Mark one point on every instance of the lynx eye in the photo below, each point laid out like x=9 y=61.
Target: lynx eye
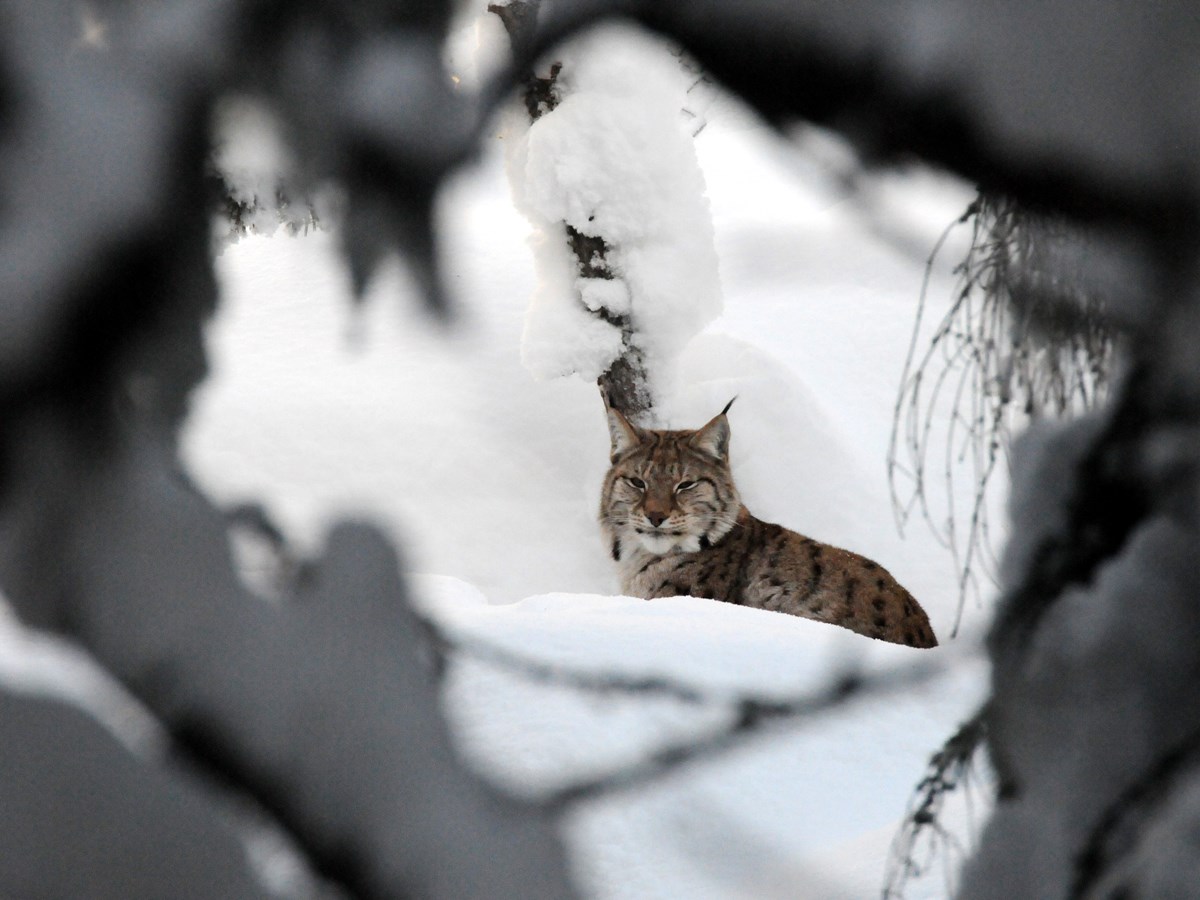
x=684 y=486
x=637 y=483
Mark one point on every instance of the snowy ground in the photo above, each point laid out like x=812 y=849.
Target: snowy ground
x=490 y=479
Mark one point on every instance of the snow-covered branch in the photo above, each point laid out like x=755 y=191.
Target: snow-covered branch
x=608 y=160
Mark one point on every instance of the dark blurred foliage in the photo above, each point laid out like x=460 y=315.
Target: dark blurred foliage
x=322 y=708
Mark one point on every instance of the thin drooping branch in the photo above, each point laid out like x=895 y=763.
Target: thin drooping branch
x=923 y=836
x=1025 y=338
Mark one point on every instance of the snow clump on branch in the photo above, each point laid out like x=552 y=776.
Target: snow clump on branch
x=614 y=160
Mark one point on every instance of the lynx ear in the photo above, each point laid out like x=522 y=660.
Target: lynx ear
x=713 y=438
x=624 y=436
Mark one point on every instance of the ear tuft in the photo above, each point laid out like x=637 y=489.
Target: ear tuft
x=713 y=438
x=623 y=435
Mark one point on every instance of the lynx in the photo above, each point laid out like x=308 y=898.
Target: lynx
x=676 y=525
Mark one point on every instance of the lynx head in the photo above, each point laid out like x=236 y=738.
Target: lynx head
x=668 y=490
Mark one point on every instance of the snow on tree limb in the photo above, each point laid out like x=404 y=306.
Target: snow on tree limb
x=611 y=162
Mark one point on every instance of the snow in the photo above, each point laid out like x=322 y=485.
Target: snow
x=798 y=792
x=489 y=480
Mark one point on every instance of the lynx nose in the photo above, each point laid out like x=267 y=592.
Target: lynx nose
x=656 y=518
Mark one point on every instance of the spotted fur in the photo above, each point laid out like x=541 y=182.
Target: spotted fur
x=676 y=525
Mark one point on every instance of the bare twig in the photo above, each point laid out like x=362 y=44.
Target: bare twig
x=606 y=682
x=749 y=714
x=1021 y=340
x=923 y=834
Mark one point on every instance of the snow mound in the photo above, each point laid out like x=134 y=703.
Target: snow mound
x=793 y=795
x=717 y=647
